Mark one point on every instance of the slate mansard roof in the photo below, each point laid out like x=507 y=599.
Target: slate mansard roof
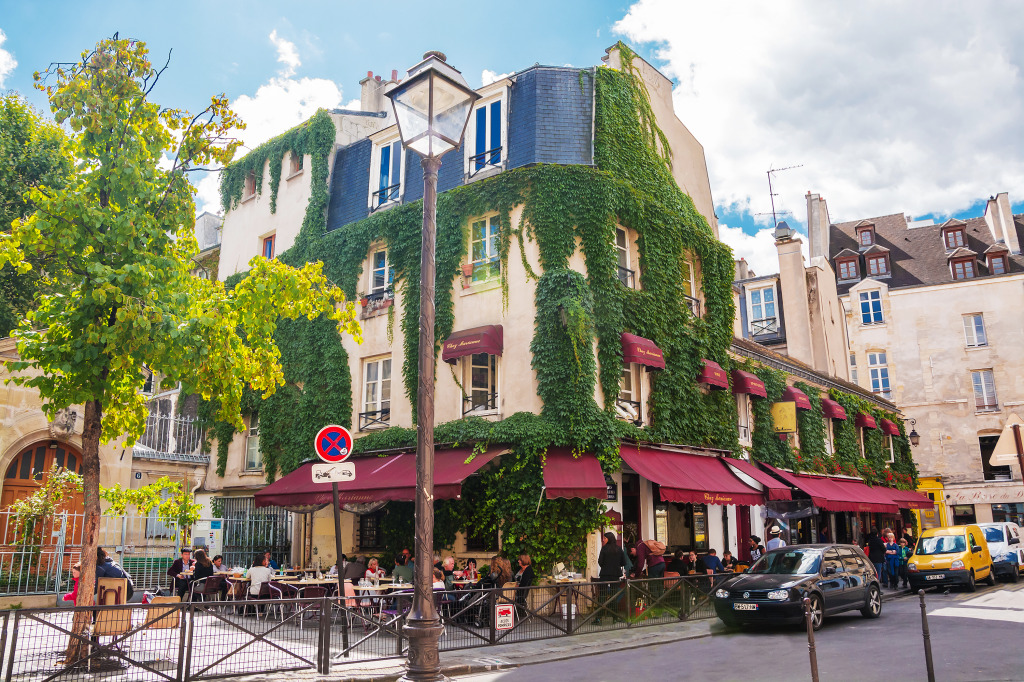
x=918 y=256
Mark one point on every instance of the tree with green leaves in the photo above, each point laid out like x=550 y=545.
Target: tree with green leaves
x=33 y=153
x=171 y=500
x=120 y=237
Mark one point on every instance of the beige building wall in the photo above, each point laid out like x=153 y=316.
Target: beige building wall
x=930 y=369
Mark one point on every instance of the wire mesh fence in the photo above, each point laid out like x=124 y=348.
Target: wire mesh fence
x=174 y=641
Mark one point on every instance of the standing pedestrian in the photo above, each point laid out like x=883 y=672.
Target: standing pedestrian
x=775 y=542
x=756 y=548
x=876 y=554
x=892 y=560
x=646 y=558
x=905 y=552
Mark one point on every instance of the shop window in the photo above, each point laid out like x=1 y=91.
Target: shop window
x=1008 y=513
x=963 y=514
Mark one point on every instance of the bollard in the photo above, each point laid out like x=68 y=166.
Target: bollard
x=927 y=639
x=810 y=640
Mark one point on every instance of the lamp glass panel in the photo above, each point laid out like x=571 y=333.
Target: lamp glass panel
x=411 y=108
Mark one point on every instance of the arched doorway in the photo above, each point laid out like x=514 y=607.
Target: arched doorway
x=26 y=470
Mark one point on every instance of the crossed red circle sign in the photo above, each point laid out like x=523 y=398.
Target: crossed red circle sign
x=333 y=444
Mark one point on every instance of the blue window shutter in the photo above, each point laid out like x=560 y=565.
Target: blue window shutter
x=396 y=167
x=496 y=131
x=481 y=136
x=385 y=169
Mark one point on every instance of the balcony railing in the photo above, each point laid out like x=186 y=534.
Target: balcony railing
x=629 y=410
x=627 y=277
x=378 y=301
x=378 y=419
x=744 y=433
x=384 y=195
x=693 y=304
x=765 y=325
x=484 y=160
x=479 y=402
x=173 y=439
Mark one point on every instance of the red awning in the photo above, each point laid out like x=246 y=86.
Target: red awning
x=377 y=478
x=865 y=421
x=775 y=489
x=910 y=499
x=686 y=477
x=745 y=382
x=641 y=351
x=488 y=339
x=837 y=495
x=794 y=394
x=713 y=375
x=890 y=428
x=568 y=476
x=830 y=409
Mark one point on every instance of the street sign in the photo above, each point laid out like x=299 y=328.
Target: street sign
x=333 y=444
x=334 y=473
x=504 y=617
x=1006 y=447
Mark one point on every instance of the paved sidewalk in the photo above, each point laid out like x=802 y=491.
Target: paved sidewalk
x=505 y=656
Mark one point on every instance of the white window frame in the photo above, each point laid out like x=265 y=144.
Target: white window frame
x=853 y=367
x=975 y=334
x=493 y=370
x=392 y=141
x=689 y=277
x=743 y=418
x=892 y=450
x=379 y=403
x=984 y=379
x=489 y=94
x=878 y=373
x=253 y=457
x=762 y=304
x=389 y=272
x=634 y=394
x=482 y=267
x=622 y=258
x=867 y=298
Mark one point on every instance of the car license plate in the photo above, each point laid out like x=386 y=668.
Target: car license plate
x=937 y=576
x=744 y=607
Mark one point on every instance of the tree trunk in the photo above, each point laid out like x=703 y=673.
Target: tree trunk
x=77 y=649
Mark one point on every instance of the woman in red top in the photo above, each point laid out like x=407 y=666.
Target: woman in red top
x=76 y=573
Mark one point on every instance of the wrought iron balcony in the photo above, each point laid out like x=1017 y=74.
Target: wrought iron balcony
x=378 y=419
x=479 y=402
x=629 y=410
x=173 y=439
x=627 y=277
x=384 y=195
x=764 y=325
x=377 y=301
x=693 y=304
x=485 y=160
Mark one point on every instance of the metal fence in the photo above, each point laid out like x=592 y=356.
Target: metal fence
x=178 y=642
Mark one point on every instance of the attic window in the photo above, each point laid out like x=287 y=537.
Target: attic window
x=997 y=264
x=954 y=239
x=878 y=265
x=847 y=268
x=963 y=268
x=866 y=235
x=250 y=184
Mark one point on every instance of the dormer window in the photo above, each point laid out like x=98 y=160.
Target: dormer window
x=878 y=265
x=866 y=236
x=848 y=265
x=963 y=268
x=996 y=257
x=486 y=142
x=954 y=239
x=386 y=172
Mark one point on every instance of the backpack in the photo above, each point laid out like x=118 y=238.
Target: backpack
x=654 y=547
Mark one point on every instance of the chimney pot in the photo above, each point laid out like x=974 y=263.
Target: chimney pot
x=377 y=78
x=369 y=74
x=394 y=75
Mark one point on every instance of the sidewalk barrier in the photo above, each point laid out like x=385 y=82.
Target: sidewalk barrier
x=927 y=639
x=811 y=650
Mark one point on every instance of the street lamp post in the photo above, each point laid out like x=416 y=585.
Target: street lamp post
x=432 y=106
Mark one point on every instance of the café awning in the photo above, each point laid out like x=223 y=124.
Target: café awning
x=488 y=339
x=745 y=382
x=641 y=351
x=865 y=421
x=775 y=489
x=687 y=477
x=830 y=409
x=794 y=394
x=837 y=495
x=890 y=428
x=910 y=499
x=712 y=374
x=377 y=479
x=568 y=476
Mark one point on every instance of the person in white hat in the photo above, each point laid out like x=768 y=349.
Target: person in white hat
x=775 y=542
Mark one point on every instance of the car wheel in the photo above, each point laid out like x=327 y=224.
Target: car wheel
x=991 y=579
x=817 y=612
x=1015 y=574
x=873 y=609
x=971 y=586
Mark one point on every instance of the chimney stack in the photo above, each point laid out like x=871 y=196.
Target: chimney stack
x=999 y=218
x=817 y=226
x=371 y=97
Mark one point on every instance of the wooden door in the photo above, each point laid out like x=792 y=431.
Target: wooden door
x=743 y=532
x=25 y=473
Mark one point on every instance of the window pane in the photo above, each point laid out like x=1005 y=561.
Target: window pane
x=769 y=295
x=688 y=278
x=396 y=167
x=755 y=297
x=979 y=330
x=385 y=169
x=385 y=369
x=481 y=136
x=495 y=158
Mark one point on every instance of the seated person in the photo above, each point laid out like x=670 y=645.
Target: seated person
x=469 y=572
x=712 y=564
x=678 y=564
x=403 y=571
x=355 y=570
x=525 y=576
x=204 y=567
x=176 y=571
x=448 y=570
x=373 y=570
x=218 y=565
x=728 y=562
x=438 y=579
x=271 y=564
x=258 y=575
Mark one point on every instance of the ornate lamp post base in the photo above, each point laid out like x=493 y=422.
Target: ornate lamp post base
x=424 y=663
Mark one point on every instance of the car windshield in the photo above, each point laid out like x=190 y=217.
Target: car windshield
x=790 y=562
x=942 y=544
x=994 y=535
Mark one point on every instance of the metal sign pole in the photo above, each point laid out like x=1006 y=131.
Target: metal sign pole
x=337 y=538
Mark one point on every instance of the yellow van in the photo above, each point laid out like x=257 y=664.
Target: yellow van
x=957 y=555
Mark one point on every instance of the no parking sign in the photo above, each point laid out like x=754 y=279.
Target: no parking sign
x=333 y=444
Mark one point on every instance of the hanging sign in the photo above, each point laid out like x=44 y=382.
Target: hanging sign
x=784 y=417
x=333 y=444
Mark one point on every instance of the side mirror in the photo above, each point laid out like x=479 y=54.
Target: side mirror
x=830 y=570
x=976 y=549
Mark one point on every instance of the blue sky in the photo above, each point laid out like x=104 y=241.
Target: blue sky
x=881 y=114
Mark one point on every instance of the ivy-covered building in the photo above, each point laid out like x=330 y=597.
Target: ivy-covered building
x=587 y=368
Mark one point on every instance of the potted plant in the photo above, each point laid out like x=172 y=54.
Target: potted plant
x=467 y=269
x=364 y=300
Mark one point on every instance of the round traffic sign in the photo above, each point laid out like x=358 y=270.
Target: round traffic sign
x=333 y=444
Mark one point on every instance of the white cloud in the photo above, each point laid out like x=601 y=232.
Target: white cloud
x=287 y=54
x=890 y=107
x=354 y=105
x=758 y=249
x=488 y=77
x=7 y=60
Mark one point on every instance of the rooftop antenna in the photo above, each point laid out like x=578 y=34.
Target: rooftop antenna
x=771 y=193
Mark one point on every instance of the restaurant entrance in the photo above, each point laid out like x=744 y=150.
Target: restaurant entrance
x=630 y=510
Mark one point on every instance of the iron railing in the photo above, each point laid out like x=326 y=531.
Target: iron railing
x=171 y=438
x=626 y=277
x=385 y=195
x=484 y=160
x=378 y=419
x=378 y=301
x=764 y=325
x=629 y=410
x=479 y=402
x=693 y=304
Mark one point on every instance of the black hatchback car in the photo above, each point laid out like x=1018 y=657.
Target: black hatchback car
x=836 y=578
